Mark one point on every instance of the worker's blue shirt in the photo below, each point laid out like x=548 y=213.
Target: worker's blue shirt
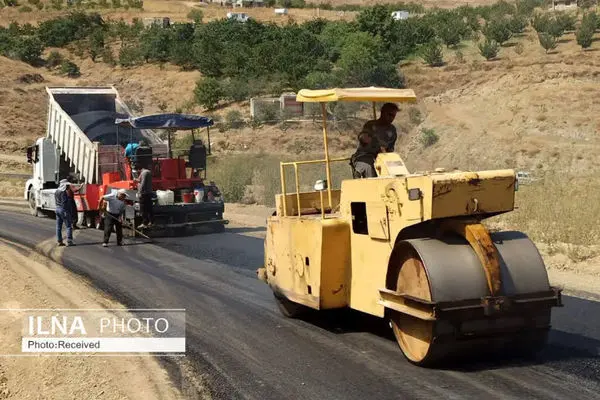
x=130 y=150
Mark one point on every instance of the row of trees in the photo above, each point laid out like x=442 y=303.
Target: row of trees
x=238 y=60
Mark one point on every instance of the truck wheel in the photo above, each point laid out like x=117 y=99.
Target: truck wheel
x=32 y=206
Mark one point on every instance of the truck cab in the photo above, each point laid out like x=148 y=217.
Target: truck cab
x=46 y=162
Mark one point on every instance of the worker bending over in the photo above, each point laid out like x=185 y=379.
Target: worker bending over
x=115 y=212
x=382 y=128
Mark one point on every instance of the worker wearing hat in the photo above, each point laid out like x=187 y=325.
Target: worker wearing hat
x=115 y=212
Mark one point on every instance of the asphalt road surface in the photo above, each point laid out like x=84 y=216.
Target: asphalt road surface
x=241 y=347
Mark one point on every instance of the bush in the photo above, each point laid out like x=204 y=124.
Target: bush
x=519 y=48
x=196 y=15
x=566 y=21
x=428 y=137
x=489 y=49
x=208 y=92
x=234 y=119
x=498 y=31
x=517 y=23
x=547 y=41
x=54 y=60
x=414 y=114
x=70 y=69
x=25 y=9
x=29 y=49
x=96 y=43
x=61 y=31
x=130 y=55
x=236 y=90
x=432 y=54
x=584 y=37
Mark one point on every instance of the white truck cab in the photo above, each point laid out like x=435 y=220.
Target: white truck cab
x=40 y=188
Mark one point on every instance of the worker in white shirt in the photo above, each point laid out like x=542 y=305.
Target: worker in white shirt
x=115 y=212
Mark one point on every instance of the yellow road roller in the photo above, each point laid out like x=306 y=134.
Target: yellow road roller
x=411 y=248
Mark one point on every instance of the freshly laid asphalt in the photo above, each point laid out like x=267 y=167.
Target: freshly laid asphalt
x=240 y=346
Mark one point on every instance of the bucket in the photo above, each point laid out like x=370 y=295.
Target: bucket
x=165 y=197
x=187 y=197
x=199 y=194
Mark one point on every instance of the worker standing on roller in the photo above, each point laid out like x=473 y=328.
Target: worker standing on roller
x=145 y=197
x=115 y=212
x=383 y=128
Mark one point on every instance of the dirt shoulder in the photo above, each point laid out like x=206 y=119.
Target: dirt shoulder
x=30 y=281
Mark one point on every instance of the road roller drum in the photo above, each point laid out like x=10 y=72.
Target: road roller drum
x=446 y=276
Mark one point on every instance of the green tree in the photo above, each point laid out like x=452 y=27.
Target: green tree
x=375 y=20
x=130 y=55
x=432 y=54
x=236 y=89
x=208 y=92
x=517 y=23
x=358 y=55
x=96 y=43
x=29 y=49
x=155 y=44
x=70 y=69
x=585 y=35
x=489 y=49
x=498 y=31
x=547 y=41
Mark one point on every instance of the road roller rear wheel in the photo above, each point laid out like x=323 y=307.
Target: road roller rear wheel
x=414 y=336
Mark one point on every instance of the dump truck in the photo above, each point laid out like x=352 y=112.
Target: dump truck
x=87 y=131
x=411 y=248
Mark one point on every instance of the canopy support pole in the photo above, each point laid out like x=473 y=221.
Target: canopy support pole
x=208 y=138
x=374 y=111
x=169 y=143
x=327 y=167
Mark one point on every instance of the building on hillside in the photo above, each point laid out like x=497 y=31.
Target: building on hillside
x=560 y=5
x=284 y=105
x=239 y=3
x=163 y=22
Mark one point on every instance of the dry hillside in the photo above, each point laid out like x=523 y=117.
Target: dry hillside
x=526 y=110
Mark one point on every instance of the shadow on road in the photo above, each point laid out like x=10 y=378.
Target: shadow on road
x=246 y=229
x=571 y=352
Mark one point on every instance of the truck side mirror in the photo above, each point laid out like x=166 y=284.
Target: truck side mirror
x=30 y=154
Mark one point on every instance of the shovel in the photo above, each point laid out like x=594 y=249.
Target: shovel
x=132 y=228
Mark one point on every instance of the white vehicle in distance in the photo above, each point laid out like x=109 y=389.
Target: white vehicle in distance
x=400 y=15
x=241 y=17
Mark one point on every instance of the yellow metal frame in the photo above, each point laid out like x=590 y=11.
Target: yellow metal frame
x=295 y=164
x=371 y=94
